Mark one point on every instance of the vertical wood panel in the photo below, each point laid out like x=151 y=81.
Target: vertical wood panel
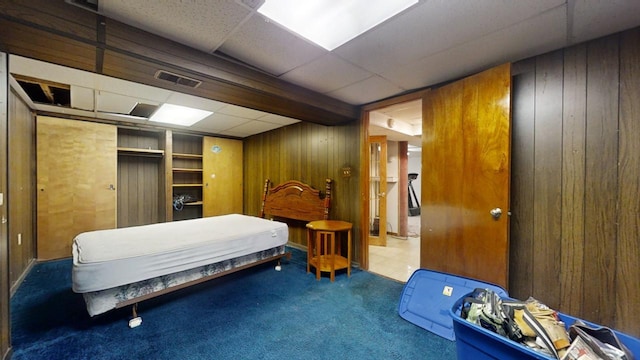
x=601 y=179
x=547 y=214
x=21 y=206
x=446 y=100
x=628 y=249
x=522 y=170
x=573 y=177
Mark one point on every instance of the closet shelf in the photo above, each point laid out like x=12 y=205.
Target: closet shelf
x=187 y=185
x=187 y=170
x=187 y=156
x=193 y=203
x=140 y=152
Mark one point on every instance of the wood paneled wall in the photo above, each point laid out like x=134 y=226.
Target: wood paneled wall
x=309 y=153
x=22 y=173
x=575 y=228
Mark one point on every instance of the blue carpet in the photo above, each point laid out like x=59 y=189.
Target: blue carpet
x=258 y=313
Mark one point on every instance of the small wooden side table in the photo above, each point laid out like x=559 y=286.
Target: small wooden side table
x=321 y=247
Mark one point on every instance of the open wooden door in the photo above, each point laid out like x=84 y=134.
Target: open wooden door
x=466 y=171
x=378 y=190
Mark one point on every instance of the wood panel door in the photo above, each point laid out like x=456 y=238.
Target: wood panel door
x=76 y=182
x=222 y=176
x=466 y=171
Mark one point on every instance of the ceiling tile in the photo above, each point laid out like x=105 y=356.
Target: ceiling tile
x=201 y=24
x=268 y=46
x=123 y=87
x=277 y=119
x=114 y=103
x=195 y=102
x=81 y=98
x=434 y=26
x=326 y=74
x=592 y=18
x=241 y=112
x=510 y=44
x=368 y=90
x=218 y=122
x=250 y=128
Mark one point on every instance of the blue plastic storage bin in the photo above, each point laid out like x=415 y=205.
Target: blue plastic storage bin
x=474 y=342
x=428 y=295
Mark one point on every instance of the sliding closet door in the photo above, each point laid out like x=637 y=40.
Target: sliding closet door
x=465 y=189
x=76 y=182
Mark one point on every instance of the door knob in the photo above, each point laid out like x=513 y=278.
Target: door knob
x=496 y=213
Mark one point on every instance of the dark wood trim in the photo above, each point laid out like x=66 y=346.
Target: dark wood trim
x=5 y=319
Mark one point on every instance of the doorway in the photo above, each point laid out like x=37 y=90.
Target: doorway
x=399 y=125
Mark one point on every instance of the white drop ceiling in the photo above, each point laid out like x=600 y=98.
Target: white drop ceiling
x=98 y=96
x=431 y=42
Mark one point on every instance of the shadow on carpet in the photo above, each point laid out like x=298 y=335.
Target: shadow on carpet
x=257 y=313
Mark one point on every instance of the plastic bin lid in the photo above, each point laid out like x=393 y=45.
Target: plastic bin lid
x=428 y=296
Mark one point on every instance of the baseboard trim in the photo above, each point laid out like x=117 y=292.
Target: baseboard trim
x=22 y=276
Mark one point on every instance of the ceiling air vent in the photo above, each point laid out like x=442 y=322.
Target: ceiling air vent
x=177 y=79
x=91 y=5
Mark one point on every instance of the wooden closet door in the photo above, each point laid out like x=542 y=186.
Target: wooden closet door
x=222 y=176
x=76 y=182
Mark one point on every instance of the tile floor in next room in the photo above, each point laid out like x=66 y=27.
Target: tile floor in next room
x=401 y=257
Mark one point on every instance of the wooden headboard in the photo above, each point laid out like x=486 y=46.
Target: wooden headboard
x=296 y=200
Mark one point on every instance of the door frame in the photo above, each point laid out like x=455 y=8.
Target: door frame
x=364 y=166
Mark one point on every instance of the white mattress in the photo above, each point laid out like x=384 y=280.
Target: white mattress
x=108 y=258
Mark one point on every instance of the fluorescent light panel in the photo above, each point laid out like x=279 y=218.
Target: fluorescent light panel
x=179 y=115
x=331 y=23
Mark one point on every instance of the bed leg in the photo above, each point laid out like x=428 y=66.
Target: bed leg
x=136 y=320
x=278 y=267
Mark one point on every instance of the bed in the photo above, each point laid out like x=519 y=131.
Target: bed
x=122 y=267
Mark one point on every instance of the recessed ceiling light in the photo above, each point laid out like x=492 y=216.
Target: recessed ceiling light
x=179 y=115
x=331 y=23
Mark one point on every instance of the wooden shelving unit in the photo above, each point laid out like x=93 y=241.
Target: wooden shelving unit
x=186 y=169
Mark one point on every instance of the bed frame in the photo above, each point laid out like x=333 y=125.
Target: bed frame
x=288 y=200
x=295 y=200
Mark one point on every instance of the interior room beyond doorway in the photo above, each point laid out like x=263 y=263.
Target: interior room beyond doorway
x=399 y=256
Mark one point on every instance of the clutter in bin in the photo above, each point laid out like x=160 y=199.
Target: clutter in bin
x=540 y=328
